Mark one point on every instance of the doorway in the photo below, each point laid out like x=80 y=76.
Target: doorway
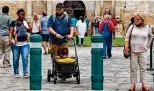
x=77 y=7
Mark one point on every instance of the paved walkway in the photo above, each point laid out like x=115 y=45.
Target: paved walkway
x=116 y=72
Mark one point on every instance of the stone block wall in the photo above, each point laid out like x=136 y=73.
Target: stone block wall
x=13 y=5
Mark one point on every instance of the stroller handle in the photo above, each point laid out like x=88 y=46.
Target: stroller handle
x=65 y=37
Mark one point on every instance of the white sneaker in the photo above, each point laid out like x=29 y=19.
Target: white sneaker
x=17 y=76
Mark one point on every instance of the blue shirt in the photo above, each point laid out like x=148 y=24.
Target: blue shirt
x=59 y=25
x=87 y=21
x=74 y=21
x=44 y=22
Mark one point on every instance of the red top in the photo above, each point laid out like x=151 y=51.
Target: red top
x=114 y=21
x=110 y=26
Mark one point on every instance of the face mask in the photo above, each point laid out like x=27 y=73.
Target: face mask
x=139 y=25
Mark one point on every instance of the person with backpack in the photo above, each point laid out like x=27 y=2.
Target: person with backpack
x=59 y=25
x=107 y=30
x=45 y=33
x=18 y=29
x=5 y=21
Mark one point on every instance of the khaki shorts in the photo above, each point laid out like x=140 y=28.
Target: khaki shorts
x=55 y=48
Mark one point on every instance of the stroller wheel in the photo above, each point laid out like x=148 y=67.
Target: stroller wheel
x=55 y=79
x=52 y=74
x=48 y=75
x=78 y=77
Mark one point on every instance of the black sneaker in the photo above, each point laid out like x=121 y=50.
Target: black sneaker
x=109 y=56
x=104 y=57
x=45 y=53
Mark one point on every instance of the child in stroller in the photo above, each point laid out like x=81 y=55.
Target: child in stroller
x=64 y=66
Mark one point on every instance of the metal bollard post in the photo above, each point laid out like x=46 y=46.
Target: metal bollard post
x=97 y=77
x=151 y=54
x=35 y=62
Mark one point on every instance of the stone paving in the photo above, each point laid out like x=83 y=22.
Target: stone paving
x=116 y=74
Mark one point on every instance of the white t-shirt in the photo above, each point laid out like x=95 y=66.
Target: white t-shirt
x=81 y=27
x=35 y=27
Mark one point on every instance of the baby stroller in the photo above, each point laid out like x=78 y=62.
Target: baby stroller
x=65 y=68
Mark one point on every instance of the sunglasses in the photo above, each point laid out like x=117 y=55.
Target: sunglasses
x=58 y=9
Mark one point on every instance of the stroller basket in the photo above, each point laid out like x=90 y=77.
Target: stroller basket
x=66 y=68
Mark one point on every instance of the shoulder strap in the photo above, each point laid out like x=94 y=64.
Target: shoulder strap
x=54 y=18
x=131 y=34
x=66 y=17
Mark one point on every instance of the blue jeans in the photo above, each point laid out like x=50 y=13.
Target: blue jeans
x=96 y=31
x=23 y=50
x=107 y=44
x=12 y=48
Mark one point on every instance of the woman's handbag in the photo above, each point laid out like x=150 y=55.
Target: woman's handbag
x=129 y=51
x=128 y=54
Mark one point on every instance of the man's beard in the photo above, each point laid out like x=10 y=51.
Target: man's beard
x=58 y=14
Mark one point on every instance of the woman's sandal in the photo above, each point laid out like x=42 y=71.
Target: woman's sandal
x=145 y=89
x=132 y=88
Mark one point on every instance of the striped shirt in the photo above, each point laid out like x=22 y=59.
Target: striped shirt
x=140 y=38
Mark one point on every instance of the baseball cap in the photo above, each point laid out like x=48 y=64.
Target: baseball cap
x=60 y=5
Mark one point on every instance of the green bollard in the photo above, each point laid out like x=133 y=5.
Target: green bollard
x=35 y=62
x=97 y=77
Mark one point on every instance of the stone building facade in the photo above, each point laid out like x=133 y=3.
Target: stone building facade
x=123 y=9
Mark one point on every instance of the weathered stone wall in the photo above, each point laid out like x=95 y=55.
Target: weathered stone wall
x=38 y=7
x=13 y=5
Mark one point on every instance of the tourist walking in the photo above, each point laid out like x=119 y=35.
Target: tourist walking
x=5 y=21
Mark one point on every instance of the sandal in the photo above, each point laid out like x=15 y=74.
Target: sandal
x=145 y=89
x=132 y=88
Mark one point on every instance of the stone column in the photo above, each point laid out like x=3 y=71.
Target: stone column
x=113 y=6
x=49 y=7
x=29 y=9
x=97 y=8
x=54 y=3
x=21 y=4
x=102 y=8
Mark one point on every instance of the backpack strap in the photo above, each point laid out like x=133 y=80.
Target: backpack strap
x=54 y=18
x=105 y=24
x=66 y=17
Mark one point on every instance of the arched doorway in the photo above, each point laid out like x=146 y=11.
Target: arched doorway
x=76 y=8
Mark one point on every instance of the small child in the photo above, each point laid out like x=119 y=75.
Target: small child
x=19 y=25
x=63 y=53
